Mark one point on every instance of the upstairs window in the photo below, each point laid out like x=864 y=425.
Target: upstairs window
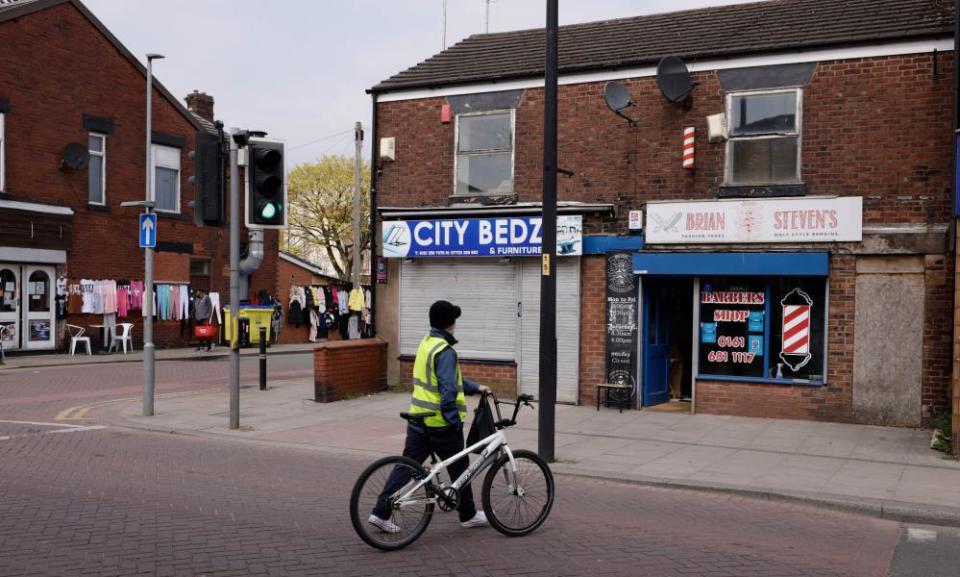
x=764 y=143
x=166 y=178
x=97 y=189
x=484 y=163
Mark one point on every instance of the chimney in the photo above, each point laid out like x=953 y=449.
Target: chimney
x=201 y=104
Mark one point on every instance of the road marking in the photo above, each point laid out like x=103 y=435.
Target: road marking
x=921 y=535
x=60 y=428
x=79 y=412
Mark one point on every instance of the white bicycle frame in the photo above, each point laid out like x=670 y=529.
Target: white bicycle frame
x=491 y=444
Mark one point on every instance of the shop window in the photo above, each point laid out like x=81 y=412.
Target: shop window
x=39 y=291
x=8 y=291
x=758 y=327
x=97 y=193
x=3 y=158
x=166 y=178
x=764 y=143
x=484 y=161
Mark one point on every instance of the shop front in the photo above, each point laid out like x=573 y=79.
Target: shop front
x=28 y=318
x=728 y=296
x=491 y=268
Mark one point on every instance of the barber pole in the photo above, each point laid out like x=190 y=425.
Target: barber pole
x=689 y=140
x=795 y=350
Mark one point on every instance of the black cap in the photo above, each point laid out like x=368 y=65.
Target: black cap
x=443 y=314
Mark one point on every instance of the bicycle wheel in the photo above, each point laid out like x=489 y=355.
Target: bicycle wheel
x=408 y=519
x=518 y=509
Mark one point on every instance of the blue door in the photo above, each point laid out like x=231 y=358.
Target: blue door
x=656 y=344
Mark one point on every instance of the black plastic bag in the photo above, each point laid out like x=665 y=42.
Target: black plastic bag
x=483 y=423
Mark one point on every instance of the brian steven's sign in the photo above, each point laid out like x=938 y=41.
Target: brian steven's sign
x=756 y=221
x=506 y=236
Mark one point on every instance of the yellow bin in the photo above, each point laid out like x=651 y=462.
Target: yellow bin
x=258 y=316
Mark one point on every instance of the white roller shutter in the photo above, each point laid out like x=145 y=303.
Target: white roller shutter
x=486 y=290
x=568 y=328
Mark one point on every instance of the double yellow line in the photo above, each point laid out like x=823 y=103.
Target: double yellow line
x=79 y=412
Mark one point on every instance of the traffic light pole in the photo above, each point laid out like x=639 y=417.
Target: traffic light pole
x=548 y=278
x=234 y=287
x=358 y=139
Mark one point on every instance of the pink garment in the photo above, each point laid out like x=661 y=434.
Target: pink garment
x=174 y=303
x=123 y=302
x=136 y=295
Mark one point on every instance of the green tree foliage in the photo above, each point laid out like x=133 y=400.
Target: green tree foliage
x=320 y=213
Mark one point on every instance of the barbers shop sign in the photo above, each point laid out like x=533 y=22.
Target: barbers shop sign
x=498 y=237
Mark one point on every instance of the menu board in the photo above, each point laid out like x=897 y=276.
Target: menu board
x=732 y=324
x=622 y=327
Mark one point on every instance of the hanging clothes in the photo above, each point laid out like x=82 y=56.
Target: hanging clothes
x=314 y=319
x=136 y=295
x=215 y=301
x=75 y=300
x=355 y=303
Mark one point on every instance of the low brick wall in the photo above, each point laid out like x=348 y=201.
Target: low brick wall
x=342 y=369
x=499 y=376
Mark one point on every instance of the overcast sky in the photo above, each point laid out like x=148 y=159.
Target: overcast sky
x=298 y=68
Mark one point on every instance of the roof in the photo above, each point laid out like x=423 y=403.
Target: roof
x=205 y=124
x=723 y=31
x=306 y=265
x=12 y=9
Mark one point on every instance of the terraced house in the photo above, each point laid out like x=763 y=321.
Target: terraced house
x=768 y=234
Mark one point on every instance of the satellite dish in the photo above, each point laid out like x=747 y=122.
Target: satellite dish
x=674 y=79
x=618 y=99
x=75 y=156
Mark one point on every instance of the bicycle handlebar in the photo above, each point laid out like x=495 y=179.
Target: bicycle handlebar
x=521 y=400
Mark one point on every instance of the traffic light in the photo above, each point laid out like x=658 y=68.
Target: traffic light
x=208 y=180
x=267 y=188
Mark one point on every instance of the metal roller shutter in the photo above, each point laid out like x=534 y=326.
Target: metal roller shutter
x=486 y=290
x=568 y=328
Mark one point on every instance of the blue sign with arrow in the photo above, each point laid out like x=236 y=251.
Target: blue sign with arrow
x=148 y=230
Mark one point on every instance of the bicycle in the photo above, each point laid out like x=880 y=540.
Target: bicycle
x=517 y=491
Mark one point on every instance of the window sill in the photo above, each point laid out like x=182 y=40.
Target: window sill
x=171 y=215
x=98 y=207
x=761 y=190
x=760 y=380
x=468 y=361
x=500 y=198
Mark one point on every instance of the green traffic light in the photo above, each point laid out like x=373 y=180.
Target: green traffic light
x=269 y=210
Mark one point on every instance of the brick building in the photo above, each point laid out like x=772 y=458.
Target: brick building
x=801 y=268
x=67 y=83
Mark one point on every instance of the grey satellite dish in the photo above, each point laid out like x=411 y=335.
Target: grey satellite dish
x=618 y=99
x=674 y=79
x=75 y=156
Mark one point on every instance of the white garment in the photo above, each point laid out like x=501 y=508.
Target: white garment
x=314 y=319
x=353 y=327
x=367 y=298
x=184 y=303
x=86 y=287
x=343 y=301
x=215 y=302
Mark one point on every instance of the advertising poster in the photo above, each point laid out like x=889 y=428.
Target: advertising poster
x=622 y=324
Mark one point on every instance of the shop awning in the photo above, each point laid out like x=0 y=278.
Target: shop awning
x=733 y=263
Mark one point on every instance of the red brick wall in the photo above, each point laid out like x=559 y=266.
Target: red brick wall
x=501 y=377
x=345 y=369
x=937 y=336
x=593 y=326
x=831 y=402
x=54 y=68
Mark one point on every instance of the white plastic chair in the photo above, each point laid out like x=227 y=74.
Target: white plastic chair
x=125 y=336
x=76 y=336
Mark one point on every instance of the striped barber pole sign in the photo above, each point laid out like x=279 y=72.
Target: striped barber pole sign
x=795 y=350
x=689 y=146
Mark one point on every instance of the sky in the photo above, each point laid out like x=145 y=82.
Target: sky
x=298 y=69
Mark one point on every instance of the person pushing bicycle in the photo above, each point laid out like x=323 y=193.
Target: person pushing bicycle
x=438 y=393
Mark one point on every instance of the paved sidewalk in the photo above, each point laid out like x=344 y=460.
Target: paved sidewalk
x=881 y=471
x=33 y=361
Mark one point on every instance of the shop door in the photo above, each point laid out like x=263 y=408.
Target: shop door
x=39 y=323
x=656 y=344
x=568 y=328
x=10 y=305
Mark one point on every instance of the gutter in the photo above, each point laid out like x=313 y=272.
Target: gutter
x=480 y=211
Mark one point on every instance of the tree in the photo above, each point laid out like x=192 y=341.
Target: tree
x=320 y=217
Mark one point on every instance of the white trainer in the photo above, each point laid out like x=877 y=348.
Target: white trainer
x=386 y=525
x=478 y=520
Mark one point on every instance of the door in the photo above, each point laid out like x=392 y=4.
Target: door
x=656 y=341
x=10 y=305
x=39 y=322
x=568 y=328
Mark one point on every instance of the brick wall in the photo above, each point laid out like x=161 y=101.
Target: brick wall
x=937 y=337
x=55 y=67
x=501 y=377
x=344 y=369
x=593 y=326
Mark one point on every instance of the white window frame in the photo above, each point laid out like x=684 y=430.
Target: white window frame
x=3 y=156
x=513 y=149
x=728 y=165
x=153 y=175
x=103 y=168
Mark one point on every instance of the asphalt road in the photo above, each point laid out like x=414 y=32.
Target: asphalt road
x=77 y=498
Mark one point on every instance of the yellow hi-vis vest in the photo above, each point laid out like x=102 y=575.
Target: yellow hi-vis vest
x=426 y=387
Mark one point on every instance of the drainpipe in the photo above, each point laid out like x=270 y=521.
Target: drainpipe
x=374 y=145
x=252 y=261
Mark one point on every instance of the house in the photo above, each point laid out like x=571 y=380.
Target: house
x=800 y=267
x=72 y=149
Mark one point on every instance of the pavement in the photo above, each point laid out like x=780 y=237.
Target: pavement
x=34 y=360
x=884 y=472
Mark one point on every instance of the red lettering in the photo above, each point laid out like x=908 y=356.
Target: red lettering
x=834 y=221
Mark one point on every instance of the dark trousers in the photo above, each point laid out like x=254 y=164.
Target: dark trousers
x=445 y=443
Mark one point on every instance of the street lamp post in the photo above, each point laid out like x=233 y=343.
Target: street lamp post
x=149 y=373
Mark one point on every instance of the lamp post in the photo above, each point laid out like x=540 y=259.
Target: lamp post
x=149 y=373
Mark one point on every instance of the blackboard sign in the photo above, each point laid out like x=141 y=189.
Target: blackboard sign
x=621 y=320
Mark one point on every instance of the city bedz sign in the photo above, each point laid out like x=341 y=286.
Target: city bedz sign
x=499 y=237
x=810 y=219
